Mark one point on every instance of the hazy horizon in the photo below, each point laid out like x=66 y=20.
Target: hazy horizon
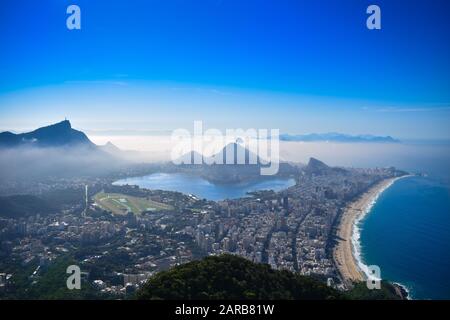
x=147 y=70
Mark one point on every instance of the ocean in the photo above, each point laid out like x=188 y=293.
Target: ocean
x=407 y=234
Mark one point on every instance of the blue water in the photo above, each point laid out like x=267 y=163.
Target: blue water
x=203 y=188
x=407 y=234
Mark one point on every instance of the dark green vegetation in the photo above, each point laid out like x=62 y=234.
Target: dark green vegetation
x=50 y=202
x=49 y=283
x=387 y=291
x=233 y=277
x=24 y=205
x=223 y=277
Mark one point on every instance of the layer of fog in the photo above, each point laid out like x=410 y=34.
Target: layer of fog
x=425 y=157
x=45 y=163
x=72 y=162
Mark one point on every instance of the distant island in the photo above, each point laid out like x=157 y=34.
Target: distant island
x=338 y=137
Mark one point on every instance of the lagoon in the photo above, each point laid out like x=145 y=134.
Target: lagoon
x=202 y=188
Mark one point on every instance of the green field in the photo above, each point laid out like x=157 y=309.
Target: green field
x=120 y=203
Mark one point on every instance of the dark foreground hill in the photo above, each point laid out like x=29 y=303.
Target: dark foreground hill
x=233 y=277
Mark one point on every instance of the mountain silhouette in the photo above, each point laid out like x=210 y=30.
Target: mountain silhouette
x=55 y=135
x=111 y=148
x=229 y=154
x=56 y=151
x=223 y=167
x=235 y=153
x=317 y=167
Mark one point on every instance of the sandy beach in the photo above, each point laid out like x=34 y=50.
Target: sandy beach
x=343 y=252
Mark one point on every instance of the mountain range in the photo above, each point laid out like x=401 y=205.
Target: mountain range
x=62 y=134
x=59 y=148
x=338 y=137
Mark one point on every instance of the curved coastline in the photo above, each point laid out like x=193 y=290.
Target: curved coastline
x=347 y=252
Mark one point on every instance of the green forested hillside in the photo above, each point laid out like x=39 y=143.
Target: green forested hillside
x=232 y=277
x=18 y=206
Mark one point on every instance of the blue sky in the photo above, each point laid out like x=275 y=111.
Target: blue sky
x=301 y=66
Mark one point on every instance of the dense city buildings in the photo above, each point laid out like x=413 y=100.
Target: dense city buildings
x=292 y=229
